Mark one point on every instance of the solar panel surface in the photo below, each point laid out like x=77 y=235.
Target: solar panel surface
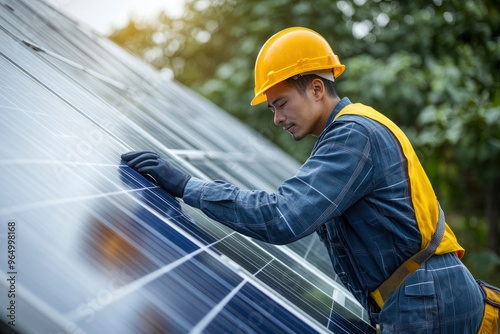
x=100 y=249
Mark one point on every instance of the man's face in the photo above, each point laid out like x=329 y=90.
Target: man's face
x=294 y=112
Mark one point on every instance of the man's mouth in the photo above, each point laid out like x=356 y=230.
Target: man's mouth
x=288 y=127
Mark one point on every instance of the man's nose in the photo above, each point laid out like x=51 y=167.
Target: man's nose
x=278 y=117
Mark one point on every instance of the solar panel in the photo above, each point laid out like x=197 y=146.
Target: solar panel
x=94 y=247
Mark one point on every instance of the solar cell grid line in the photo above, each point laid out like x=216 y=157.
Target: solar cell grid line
x=257 y=284
x=201 y=326
x=261 y=315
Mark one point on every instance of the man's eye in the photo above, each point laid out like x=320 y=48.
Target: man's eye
x=282 y=105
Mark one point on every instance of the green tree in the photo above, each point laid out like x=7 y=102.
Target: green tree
x=431 y=66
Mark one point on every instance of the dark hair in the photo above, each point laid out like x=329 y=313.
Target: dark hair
x=301 y=82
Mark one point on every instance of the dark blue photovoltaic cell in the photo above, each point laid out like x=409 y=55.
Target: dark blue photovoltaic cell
x=100 y=248
x=252 y=311
x=183 y=292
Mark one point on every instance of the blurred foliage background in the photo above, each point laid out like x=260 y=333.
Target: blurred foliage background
x=431 y=66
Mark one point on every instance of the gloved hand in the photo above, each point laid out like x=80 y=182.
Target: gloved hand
x=169 y=178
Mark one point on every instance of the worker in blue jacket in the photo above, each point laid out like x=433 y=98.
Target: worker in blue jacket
x=362 y=190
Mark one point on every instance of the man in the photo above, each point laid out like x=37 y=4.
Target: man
x=362 y=190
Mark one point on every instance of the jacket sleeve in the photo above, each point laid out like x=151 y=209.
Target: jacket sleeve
x=335 y=176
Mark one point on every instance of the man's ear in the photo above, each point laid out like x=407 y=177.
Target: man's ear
x=318 y=88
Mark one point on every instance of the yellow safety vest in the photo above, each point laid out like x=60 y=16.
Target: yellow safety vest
x=423 y=198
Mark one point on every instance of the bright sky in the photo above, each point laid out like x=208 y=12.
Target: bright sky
x=106 y=15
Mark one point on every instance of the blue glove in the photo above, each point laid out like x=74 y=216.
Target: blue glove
x=168 y=178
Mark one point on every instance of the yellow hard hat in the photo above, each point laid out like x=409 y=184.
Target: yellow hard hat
x=290 y=52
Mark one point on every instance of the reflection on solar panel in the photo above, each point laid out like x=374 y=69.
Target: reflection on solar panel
x=96 y=248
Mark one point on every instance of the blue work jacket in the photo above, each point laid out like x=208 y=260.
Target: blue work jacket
x=353 y=191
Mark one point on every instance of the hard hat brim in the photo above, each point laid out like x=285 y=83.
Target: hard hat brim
x=258 y=99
